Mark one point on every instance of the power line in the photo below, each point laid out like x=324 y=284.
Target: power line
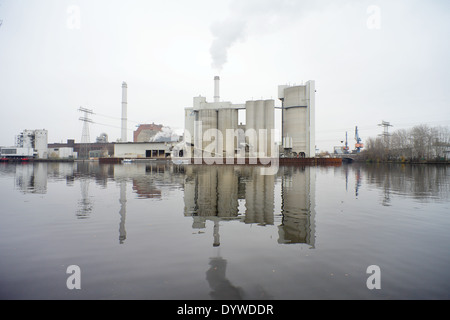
x=85 y=136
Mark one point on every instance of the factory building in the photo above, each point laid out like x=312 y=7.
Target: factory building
x=16 y=153
x=212 y=129
x=143 y=150
x=29 y=144
x=298 y=119
x=146 y=132
x=61 y=153
x=36 y=140
x=95 y=150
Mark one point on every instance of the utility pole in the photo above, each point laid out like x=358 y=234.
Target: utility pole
x=385 y=133
x=85 y=137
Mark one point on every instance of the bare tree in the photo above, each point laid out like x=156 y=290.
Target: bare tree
x=420 y=143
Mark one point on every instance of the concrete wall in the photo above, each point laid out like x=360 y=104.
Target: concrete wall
x=61 y=153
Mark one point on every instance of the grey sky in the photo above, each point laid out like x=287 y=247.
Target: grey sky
x=169 y=51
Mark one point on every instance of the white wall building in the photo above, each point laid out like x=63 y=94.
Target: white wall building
x=144 y=150
x=16 y=152
x=62 y=153
x=35 y=139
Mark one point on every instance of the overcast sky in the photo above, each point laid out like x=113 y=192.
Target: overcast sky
x=371 y=60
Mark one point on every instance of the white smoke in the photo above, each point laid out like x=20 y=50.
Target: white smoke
x=256 y=16
x=165 y=135
x=226 y=33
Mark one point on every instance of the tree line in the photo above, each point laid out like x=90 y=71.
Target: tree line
x=421 y=143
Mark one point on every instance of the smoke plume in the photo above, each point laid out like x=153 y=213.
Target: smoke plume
x=255 y=16
x=226 y=33
x=165 y=135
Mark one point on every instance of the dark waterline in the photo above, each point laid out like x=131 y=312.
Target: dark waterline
x=158 y=231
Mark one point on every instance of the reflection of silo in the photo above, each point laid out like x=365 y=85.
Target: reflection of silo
x=298 y=196
x=190 y=191
x=207 y=191
x=227 y=192
x=208 y=118
x=228 y=119
x=259 y=197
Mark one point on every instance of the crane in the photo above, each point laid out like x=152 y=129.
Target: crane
x=345 y=149
x=358 y=145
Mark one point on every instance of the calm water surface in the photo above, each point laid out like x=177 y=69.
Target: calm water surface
x=158 y=231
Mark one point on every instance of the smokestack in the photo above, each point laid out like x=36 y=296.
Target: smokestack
x=124 y=112
x=216 y=89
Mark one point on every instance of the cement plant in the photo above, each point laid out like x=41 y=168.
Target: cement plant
x=212 y=131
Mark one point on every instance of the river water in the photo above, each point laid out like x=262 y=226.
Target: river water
x=161 y=231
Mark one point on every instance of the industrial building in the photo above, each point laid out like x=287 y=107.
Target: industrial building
x=30 y=144
x=143 y=150
x=298 y=119
x=146 y=132
x=36 y=140
x=94 y=150
x=10 y=153
x=212 y=129
x=64 y=153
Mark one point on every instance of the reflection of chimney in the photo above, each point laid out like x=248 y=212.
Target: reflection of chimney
x=124 y=112
x=216 y=89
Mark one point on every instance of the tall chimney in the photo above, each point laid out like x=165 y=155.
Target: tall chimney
x=124 y=113
x=216 y=89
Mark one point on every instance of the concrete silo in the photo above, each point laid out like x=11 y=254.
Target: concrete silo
x=260 y=122
x=269 y=120
x=250 y=126
x=208 y=119
x=298 y=119
x=228 y=120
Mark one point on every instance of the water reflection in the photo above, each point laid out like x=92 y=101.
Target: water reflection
x=222 y=288
x=233 y=198
x=32 y=179
x=85 y=204
x=232 y=193
x=298 y=206
x=212 y=193
x=123 y=211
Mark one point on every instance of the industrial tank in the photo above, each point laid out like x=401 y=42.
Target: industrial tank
x=295 y=119
x=189 y=119
x=228 y=119
x=269 y=123
x=208 y=118
x=299 y=119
